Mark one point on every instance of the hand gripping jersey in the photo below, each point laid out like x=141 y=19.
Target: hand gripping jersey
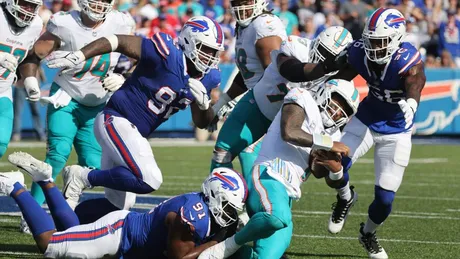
x=146 y=236
x=84 y=82
x=246 y=57
x=17 y=44
x=380 y=110
x=269 y=92
x=158 y=87
x=288 y=163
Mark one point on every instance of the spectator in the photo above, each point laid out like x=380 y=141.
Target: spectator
x=66 y=5
x=164 y=27
x=449 y=37
x=289 y=19
x=148 y=11
x=144 y=28
x=432 y=62
x=56 y=6
x=353 y=14
x=414 y=35
x=171 y=20
x=305 y=10
x=196 y=8
x=331 y=20
x=203 y=134
x=213 y=11
x=446 y=60
x=228 y=27
x=309 y=29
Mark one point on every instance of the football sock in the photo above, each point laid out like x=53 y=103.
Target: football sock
x=119 y=178
x=380 y=208
x=63 y=215
x=345 y=192
x=370 y=226
x=36 y=217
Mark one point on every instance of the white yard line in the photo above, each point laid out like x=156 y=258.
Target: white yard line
x=380 y=239
x=393 y=215
x=19 y=253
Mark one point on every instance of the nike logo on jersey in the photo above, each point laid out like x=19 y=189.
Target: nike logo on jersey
x=191 y=216
x=407 y=57
x=270 y=21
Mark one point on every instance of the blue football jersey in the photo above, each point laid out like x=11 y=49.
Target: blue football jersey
x=158 y=87
x=380 y=110
x=146 y=236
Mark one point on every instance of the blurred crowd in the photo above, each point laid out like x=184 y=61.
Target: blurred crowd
x=432 y=25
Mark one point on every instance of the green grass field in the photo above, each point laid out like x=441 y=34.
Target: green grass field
x=425 y=222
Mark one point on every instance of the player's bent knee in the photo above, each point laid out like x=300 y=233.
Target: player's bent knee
x=222 y=156
x=384 y=197
x=273 y=223
x=61 y=149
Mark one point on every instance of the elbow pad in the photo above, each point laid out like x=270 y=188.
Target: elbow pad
x=292 y=70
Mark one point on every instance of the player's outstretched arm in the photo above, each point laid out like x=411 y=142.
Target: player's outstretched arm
x=128 y=45
x=292 y=117
x=180 y=239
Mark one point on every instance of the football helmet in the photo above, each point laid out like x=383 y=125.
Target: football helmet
x=23 y=11
x=201 y=31
x=385 y=30
x=329 y=108
x=225 y=192
x=96 y=10
x=246 y=10
x=329 y=43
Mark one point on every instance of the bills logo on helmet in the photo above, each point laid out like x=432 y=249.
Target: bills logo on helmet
x=228 y=182
x=395 y=21
x=197 y=26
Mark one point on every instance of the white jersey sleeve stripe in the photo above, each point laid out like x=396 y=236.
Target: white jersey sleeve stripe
x=264 y=200
x=409 y=63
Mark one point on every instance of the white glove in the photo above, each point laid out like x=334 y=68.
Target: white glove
x=66 y=62
x=199 y=92
x=221 y=250
x=408 y=107
x=32 y=88
x=226 y=110
x=8 y=61
x=113 y=82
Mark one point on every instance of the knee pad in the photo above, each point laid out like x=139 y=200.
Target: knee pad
x=384 y=197
x=273 y=222
x=59 y=148
x=222 y=156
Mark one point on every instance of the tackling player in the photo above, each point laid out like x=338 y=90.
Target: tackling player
x=166 y=80
x=394 y=72
x=301 y=126
x=258 y=32
x=180 y=227
x=76 y=97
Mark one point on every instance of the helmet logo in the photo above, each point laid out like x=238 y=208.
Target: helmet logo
x=395 y=21
x=228 y=182
x=197 y=26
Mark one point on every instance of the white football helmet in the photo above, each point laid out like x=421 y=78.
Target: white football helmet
x=96 y=10
x=18 y=9
x=225 y=192
x=248 y=10
x=329 y=108
x=329 y=42
x=201 y=31
x=385 y=30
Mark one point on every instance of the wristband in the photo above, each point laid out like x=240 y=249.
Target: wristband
x=322 y=142
x=336 y=176
x=113 y=39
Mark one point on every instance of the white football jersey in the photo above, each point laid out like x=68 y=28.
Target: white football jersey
x=17 y=44
x=246 y=57
x=271 y=89
x=286 y=162
x=84 y=82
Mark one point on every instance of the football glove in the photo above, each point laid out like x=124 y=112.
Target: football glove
x=336 y=63
x=408 y=107
x=32 y=89
x=8 y=61
x=67 y=62
x=113 y=82
x=199 y=92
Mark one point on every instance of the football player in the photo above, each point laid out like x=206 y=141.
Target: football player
x=258 y=32
x=303 y=124
x=21 y=27
x=394 y=72
x=166 y=80
x=180 y=227
x=76 y=97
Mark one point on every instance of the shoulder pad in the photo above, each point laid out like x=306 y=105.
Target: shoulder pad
x=406 y=57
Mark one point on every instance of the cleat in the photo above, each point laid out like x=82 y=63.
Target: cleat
x=23 y=227
x=371 y=244
x=340 y=211
x=74 y=184
x=38 y=170
x=7 y=181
